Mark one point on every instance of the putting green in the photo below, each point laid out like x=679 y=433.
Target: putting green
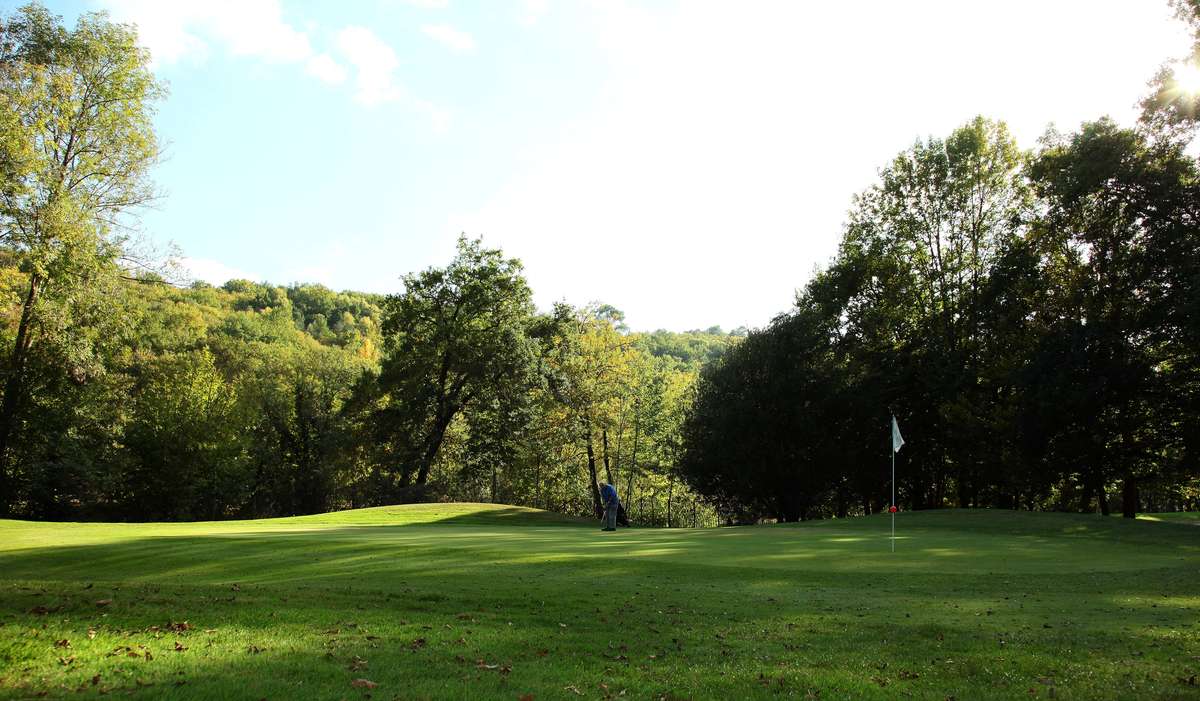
x=480 y=601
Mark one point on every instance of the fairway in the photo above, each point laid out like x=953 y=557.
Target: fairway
x=477 y=601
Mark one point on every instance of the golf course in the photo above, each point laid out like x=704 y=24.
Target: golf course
x=446 y=601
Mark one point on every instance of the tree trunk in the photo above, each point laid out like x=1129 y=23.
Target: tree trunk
x=670 y=492
x=1129 y=497
x=633 y=457
x=607 y=468
x=14 y=389
x=1085 y=501
x=591 y=456
x=432 y=445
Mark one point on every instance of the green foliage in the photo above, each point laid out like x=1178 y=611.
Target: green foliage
x=1029 y=320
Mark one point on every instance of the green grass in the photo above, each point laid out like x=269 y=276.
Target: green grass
x=473 y=601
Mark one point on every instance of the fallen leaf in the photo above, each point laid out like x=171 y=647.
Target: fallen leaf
x=95 y=680
x=180 y=627
x=525 y=697
x=363 y=684
x=418 y=644
x=64 y=661
x=254 y=649
x=62 y=643
x=179 y=647
x=104 y=602
x=357 y=664
x=91 y=633
x=574 y=689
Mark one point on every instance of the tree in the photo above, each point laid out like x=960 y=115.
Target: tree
x=75 y=153
x=457 y=338
x=1121 y=213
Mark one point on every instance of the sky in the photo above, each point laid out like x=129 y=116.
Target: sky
x=690 y=163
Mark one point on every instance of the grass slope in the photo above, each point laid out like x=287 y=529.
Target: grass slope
x=476 y=601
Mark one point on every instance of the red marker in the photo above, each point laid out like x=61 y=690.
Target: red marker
x=893 y=510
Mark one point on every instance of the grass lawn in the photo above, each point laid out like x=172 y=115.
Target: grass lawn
x=475 y=601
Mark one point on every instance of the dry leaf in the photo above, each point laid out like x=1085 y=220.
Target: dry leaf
x=62 y=643
x=179 y=647
x=104 y=602
x=525 y=697
x=91 y=633
x=363 y=684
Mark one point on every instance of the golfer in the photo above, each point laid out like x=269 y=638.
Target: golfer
x=608 y=495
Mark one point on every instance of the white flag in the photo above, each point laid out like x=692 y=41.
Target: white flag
x=897 y=439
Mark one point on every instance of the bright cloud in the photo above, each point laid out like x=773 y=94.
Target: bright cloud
x=374 y=64
x=532 y=11
x=324 y=68
x=455 y=39
x=183 y=29
x=192 y=29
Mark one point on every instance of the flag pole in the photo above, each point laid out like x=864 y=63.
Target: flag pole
x=893 y=504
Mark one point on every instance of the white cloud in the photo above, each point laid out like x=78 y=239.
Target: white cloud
x=428 y=4
x=454 y=39
x=174 y=30
x=324 y=68
x=532 y=11
x=183 y=28
x=214 y=271
x=374 y=63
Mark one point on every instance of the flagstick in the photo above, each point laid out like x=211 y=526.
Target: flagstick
x=893 y=495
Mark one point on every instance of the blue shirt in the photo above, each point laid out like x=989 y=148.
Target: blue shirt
x=608 y=494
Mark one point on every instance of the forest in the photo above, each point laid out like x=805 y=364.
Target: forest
x=1030 y=318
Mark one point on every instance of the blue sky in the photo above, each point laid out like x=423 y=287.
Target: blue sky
x=690 y=163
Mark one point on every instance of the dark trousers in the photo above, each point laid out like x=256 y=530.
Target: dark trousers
x=610 y=515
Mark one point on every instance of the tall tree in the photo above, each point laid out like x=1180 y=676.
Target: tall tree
x=457 y=338
x=76 y=150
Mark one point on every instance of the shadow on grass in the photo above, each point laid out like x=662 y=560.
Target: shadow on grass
x=470 y=613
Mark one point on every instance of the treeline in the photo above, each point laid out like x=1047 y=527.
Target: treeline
x=1031 y=319
x=253 y=400
x=125 y=397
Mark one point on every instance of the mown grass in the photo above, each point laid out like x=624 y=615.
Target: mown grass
x=474 y=601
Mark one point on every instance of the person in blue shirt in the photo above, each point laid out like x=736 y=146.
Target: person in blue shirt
x=608 y=496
